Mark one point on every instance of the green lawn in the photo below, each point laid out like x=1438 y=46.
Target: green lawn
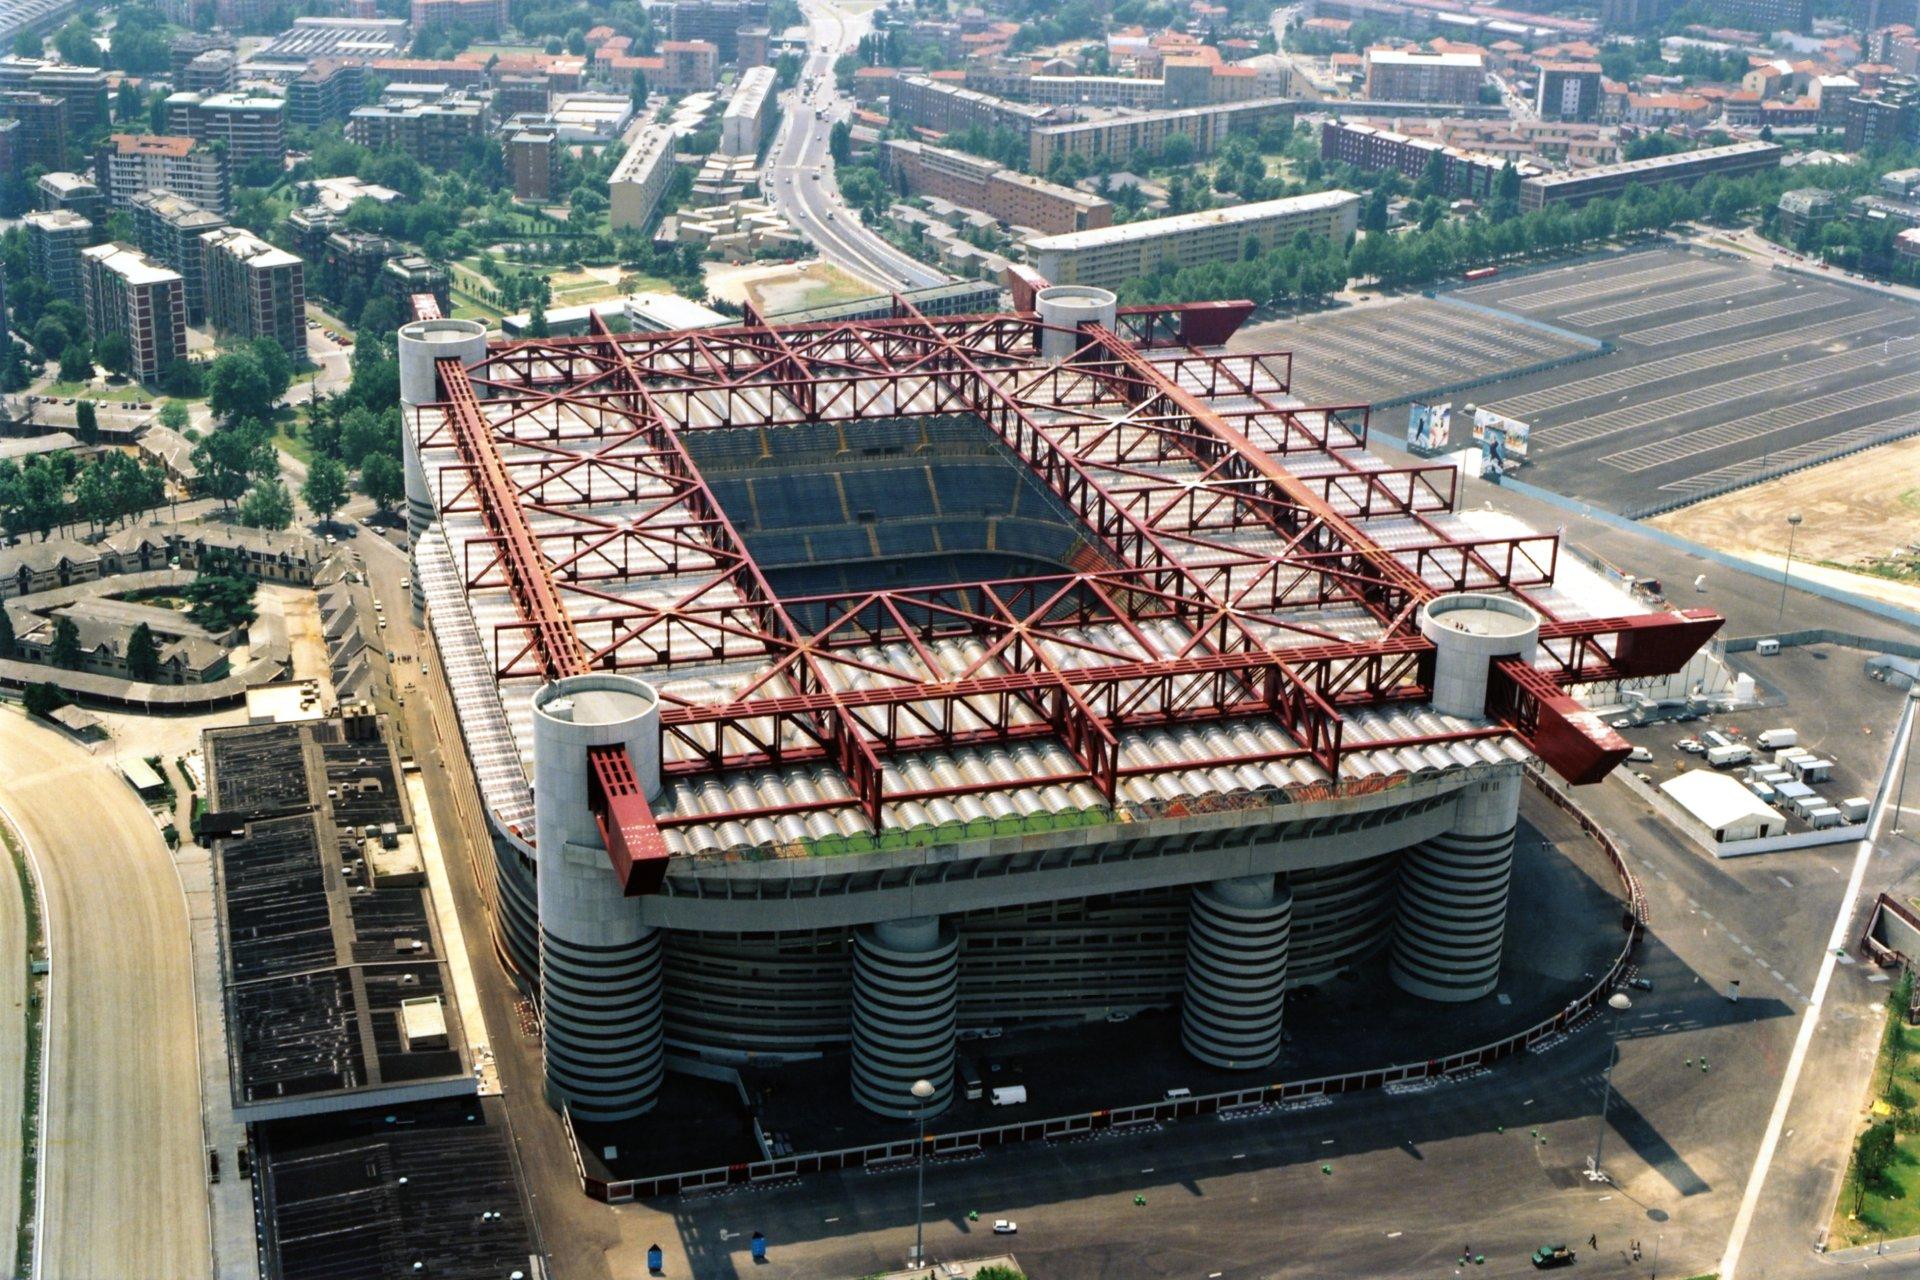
x=1890 y=1207
x=90 y=391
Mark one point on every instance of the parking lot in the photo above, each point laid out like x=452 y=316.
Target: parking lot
x=1723 y=371
x=1399 y=348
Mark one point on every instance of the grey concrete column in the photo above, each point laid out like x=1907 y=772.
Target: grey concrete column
x=906 y=993
x=1237 y=936
x=1469 y=631
x=600 y=970
x=420 y=344
x=1451 y=917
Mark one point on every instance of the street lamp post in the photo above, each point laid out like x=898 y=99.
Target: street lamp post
x=1793 y=527
x=1618 y=1002
x=923 y=1092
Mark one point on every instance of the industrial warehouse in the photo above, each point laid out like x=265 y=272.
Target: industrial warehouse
x=839 y=691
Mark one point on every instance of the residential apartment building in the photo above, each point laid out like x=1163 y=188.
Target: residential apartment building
x=131 y=163
x=1663 y=110
x=1684 y=168
x=326 y=92
x=1469 y=175
x=719 y=23
x=483 y=17
x=41 y=138
x=170 y=229
x=82 y=90
x=214 y=71
x=434 y=133
x=1122 y=136
x=250 y=126
x=1763 y=15
x=637 y=183
x=1407 y=75
x=749 y=114
x=256 y=290
x=533 y=156
x=408 y=276
x=688 y=66
x=128 y=294
x=1888 y=116
x=1568 y=91
x=946 y=107
x=54 y=243
x=1113 y=255
x=73 y=193
x=1017 y=199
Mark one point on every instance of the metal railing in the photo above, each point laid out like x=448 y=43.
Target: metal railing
x=900 y=1150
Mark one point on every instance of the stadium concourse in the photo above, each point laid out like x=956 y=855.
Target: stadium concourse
x=839 y=688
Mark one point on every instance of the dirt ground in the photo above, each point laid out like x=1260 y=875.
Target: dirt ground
x=785 y=287
x=1855 y=509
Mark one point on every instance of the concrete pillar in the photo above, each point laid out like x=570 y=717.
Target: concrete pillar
x=906 y=995
x=1451 y=917
x=600 y=972
x=1237 y=936
x=1469 y=630
x=420 y=344
x=1067 y=307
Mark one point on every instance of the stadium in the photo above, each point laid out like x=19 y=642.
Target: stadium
x=838 y=689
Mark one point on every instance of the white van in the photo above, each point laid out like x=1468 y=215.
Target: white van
x=1640 y=755
x=1174 y=1095
x=1009 y=1095
x=1774 y=739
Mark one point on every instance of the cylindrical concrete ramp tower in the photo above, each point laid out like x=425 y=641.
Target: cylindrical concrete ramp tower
x=600 y=981
x=906 y=995
x=1066 y=307
x=420 y=344
x=1237 y=937
x=1451 y=918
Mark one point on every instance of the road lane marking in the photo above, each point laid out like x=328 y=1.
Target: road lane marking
x=1836 y=945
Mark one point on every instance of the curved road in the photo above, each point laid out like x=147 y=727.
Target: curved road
x=124 y=1191
x=802 y=185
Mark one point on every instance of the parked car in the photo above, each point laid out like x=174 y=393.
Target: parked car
x=1692 y=746
x=1548 y=1256
x=1005 y=1227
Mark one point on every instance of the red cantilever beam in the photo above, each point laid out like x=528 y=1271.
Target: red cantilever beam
x=634 y=844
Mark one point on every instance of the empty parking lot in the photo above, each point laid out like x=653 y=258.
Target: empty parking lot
x=1722 y=372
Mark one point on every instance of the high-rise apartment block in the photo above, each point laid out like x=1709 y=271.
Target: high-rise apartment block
x=1406 y=75
x=130 y=295
x=256 y=290
x=250 y=126
x=54 y=243
x=131 y=163
x=171 y=229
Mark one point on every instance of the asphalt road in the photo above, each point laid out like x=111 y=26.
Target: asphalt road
x=124 y=1185
x=802 y=182
x=13 y=1044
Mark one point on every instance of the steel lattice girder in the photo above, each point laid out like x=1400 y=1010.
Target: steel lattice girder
x=617 y=404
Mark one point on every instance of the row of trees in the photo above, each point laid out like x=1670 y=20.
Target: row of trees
x=52 y=491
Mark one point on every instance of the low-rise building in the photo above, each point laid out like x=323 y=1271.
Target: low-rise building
x=1123 y=136
x=1113 y=255
x=1804 y=210
x=256 y=290
x=129 y=294
x=1014 y=198
x=1684 y=168
x=1468 y=174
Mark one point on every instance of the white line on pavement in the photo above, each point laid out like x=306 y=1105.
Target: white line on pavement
x=1836 y=944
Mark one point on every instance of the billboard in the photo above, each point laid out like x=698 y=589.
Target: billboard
x=1429 y=426
x=1499 y=436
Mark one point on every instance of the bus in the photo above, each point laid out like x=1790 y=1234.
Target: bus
x=1480 y=273
x=970 y=1080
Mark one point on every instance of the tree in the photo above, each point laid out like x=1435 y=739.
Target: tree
x=6 y=634
x=840 y=142
x=29 y=44
x=362 y=435
x=174 y=415
x=116 y=354
x=87 y=422
x=50 y=338
x=537 y=321
x=237 y=387
x=182 y=378
x=638 y=93
x=43 y=699
x=76 y=363
x=220 y=597
x=143 y=655
x=1177 y=151
x=326 y=488
x=383 y=479
x=275 y=363
x=66 y=644
x=229 y=458
x=267 y=505
x=75 y=44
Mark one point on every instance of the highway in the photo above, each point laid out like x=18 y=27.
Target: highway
x=123 y=1185
x=800 y=179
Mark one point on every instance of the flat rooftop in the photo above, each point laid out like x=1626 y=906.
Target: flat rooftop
x=1179 y=224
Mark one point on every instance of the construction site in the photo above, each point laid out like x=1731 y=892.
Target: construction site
x=840 y=692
